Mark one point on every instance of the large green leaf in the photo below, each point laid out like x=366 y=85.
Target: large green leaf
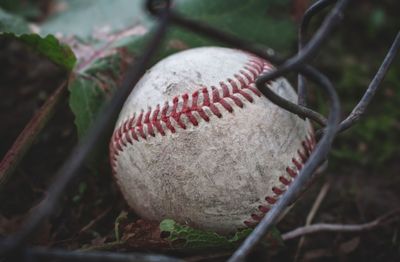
x=86 y=97
x=49 y=46
x=252 y=20
x=89 y=89
x=92 y=20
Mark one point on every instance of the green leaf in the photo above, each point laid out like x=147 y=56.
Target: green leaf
x=15 y=27
x=92 y=20
x=89 y=90
x=252 y=20
x=49 y=47
x=121 y=217
x=193 y=238
x=187 y=237
x=86 y=98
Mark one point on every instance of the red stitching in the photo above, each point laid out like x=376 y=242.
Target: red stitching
x=246 y=75
x=159 y=121
x=284 y=180
x=170 y=116
x=303 y=157
x=291 y=172
x=270 y=200
x=155 y=121
x=256 y=217
x=308 y=145
x=297 y=164
x=263 y=209
x=277 y=191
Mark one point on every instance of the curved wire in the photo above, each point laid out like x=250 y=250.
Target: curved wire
x=226 y=38
x=239 y=43
x=317 y=157
x=304 y=23
x=42 y=254
x=313 y=45
x=324 y=144
x=301 y=111
x=361 y=107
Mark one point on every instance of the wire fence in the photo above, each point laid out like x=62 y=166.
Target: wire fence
x=15 y=248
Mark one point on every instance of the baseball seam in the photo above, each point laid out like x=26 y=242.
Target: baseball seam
x=199 y=106
x=284 y=181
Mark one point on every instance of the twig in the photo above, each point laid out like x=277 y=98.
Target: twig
x=321 y=196
x=317 y=203
x=104 y=247
x=94 y=221
x=323 y=227
x=28 y=135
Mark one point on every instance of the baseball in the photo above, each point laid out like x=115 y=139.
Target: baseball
x=197 y=142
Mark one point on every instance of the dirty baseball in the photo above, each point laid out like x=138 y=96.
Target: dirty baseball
x=197 y=142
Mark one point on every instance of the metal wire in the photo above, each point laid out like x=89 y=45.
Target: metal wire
x=304 y=24
x=101 y=128
x=42 y=254
x=317 y=157
x=14 y=247
x=361 y=107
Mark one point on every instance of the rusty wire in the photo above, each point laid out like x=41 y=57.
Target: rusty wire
x=14 y=247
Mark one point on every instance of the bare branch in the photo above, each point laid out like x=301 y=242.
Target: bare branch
x=317 y=203
x=318 y=228
x=29 y=134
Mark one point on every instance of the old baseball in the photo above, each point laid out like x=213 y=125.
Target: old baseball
x=198 y=143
